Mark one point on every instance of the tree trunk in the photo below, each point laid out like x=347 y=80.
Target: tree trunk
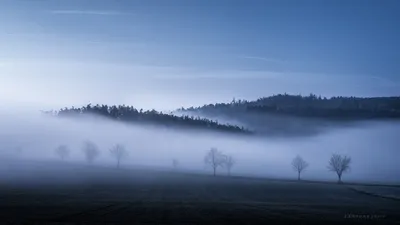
x=340 y=178
x=214 y=171
x=298 y=176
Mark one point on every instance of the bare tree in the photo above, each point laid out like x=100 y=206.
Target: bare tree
x=91 y=151
x=215 y=159
x=299 y=164
x=119 y=152
x=18 y=151
x=62 y=151
x=229 y=162
x=339 y=164
x=175 y=163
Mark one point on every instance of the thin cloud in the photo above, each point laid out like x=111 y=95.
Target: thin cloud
x=230 y=75
x=263 y=59
x=88 y=12
x=386 y=81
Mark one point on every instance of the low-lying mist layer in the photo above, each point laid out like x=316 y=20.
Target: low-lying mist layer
x=373 y=148
x=297 y=115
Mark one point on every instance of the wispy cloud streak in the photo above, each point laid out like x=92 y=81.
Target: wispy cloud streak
x=88 y=12
x=263 y=59
x=386 y=81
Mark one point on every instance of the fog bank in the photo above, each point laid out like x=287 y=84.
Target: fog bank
x=32 y=136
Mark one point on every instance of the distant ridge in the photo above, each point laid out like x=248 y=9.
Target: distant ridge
x=130 y=114
x=312 y=106
x=281 y=114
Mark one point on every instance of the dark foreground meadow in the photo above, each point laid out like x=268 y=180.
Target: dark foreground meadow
x=65 y=194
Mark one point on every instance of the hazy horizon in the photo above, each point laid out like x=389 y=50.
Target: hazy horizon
x=371 y=146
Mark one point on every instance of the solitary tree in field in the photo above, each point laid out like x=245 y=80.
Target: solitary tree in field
x=215 y=159
x=119 y=152
x=339 y=164
x=229 y=162
x=18 y=151
x=91 y=151
x=62 y=151
x=299 y=164
x=175 y=163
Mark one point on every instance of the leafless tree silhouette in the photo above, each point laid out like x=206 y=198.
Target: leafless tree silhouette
x=62 y=151
x=119 y=152
x=299 y=164
x=91 y=151
x=175 y=163
x=339 y=164
x=215 y=159
x=229 y=162
x=18 y=150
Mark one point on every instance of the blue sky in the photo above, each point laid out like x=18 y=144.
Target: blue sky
x=167 y=54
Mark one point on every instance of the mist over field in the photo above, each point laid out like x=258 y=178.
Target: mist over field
x=199 y=112
x=29 y=137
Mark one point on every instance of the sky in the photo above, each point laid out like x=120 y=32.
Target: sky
x=177 y=53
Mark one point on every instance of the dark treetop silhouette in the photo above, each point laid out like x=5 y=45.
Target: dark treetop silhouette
x=329 y=109
x=130 y=114
x=312 y=106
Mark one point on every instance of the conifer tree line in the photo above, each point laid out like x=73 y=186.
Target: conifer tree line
x=352 y=108
x=312 y=106
x=131 y=114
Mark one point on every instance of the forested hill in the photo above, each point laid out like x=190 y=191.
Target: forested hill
x=131 y=115
x=312 y=106
x=281 y=114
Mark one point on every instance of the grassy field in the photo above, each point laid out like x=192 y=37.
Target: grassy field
x=93 y=195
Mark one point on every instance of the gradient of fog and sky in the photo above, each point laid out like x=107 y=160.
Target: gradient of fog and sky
x=168 y=54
